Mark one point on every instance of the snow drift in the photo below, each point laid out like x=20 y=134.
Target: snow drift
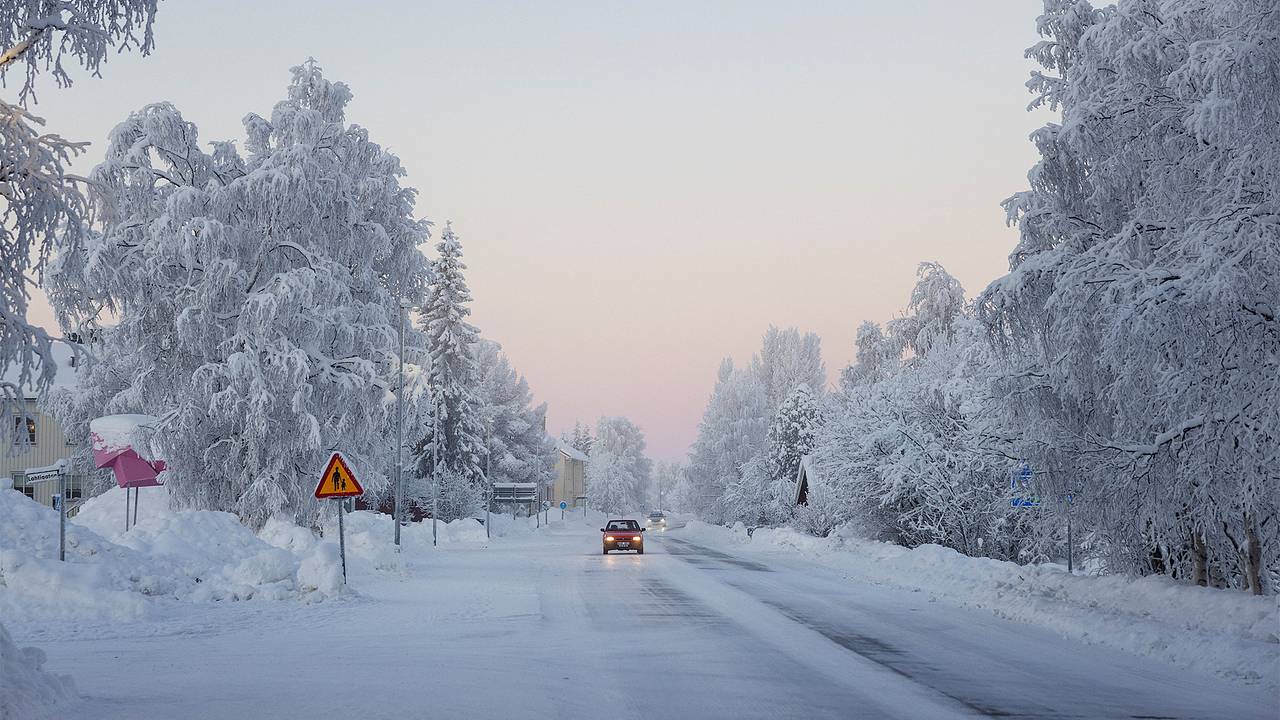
x=188 y=556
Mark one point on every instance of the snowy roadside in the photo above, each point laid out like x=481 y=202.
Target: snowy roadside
x=170 y=558
x=1224 y=632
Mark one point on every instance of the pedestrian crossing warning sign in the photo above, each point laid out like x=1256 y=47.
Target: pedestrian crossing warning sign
x=338 y=481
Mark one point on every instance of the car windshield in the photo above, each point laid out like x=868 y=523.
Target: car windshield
x=655 y=514
x=622 y=525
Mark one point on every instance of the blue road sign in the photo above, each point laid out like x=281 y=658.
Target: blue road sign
x=1021 y=478
x=563 y=504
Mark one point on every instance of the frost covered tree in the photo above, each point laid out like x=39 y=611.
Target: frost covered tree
x=517 y=447
x=255 y=297
x=1140 y=308
x=618 y=470
x=456 y=436
x=665 y=479
x=787 y=360
x=764 y=489
x=609 y=486
x=792 y=435
x=876 y=357
x=732 y=431
x=43 y=209
x=937 y=301
x=579 y=438
x=907 y=454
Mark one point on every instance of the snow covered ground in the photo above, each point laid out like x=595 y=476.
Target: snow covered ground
x=536 y=623
x=1230 y=633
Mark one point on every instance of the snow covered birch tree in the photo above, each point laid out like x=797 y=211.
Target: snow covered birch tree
x=618 y=471
x=732 y=431
x=517 y=447
x=42 y=206
x=1141 y=298
x=255 y=296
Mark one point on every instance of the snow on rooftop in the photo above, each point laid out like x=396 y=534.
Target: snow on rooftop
x=115 y=432
x=570 y=451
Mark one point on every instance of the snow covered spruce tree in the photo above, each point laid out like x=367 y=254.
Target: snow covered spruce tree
x=1140 y=310
x=764 y=490
x=456 y=436
x=517 y=447
x=255 y=297
x=792 y=434
x=618 y=471
x=43 y=207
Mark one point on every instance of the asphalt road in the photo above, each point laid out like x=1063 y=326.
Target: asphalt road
x=809 y=644
x=547 y=627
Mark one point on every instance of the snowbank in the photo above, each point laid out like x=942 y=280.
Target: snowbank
x=194 y=556
x=1225 y=632
x=26 y=689
x=186 y=556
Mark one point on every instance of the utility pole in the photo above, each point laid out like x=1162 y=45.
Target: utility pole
x=399 y=508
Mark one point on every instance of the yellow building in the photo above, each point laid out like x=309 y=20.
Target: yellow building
x=571 y=468
x=37 y=440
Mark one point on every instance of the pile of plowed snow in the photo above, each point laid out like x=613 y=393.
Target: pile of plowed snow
x=183 y=556
x=26 y=689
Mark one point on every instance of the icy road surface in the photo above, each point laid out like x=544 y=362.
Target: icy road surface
x=546 y=627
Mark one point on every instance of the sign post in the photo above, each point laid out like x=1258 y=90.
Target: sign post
x=339 y=483
x=57 y=470
x=563 y=505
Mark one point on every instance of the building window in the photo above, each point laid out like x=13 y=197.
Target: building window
x=29 y=491
x=24 y=430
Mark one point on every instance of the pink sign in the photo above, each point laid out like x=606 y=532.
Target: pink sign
x=116 y=439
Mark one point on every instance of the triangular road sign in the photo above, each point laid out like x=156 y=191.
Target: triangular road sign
x=338 y=481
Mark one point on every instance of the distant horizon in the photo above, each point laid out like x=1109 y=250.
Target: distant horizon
x=625 y=181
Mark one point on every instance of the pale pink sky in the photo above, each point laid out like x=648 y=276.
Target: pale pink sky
x=642 y=188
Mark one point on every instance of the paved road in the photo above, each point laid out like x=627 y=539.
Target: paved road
x=550 y=628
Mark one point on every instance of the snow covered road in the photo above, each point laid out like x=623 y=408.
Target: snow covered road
x=544 y=626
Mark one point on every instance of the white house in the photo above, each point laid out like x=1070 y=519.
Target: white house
x=37 y=440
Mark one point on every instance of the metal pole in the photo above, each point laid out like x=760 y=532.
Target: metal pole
x=126 y=509
x=342 y=542
x=137 y=495
x=1070 y=547
x=62 y=516
x=399 y=508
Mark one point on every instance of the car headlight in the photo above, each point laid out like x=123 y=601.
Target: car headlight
x=636 y=538
x=608 y=538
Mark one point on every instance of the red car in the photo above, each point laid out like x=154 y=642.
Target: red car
x=623 y=535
